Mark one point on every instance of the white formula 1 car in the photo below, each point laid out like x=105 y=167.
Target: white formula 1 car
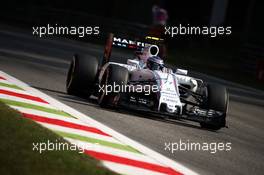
x=155 y=88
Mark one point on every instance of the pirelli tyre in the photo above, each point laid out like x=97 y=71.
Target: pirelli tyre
x=82 y=74
x=114 y=75
x=217 y=100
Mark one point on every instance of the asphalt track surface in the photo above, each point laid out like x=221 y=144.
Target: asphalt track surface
x=43 y=63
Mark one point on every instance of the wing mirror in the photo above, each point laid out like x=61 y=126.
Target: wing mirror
x=181 y=71
x=134 y=63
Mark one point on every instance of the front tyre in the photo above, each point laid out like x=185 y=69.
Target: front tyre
x=114 y=75
x=217 y=100
x=82 y=75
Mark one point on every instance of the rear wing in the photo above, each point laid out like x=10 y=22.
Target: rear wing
x=133 y=44
x=118 y=41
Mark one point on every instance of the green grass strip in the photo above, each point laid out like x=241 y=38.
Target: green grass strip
x=10 y=86
x=101 y=142
x=18 y=134
x=36 y=107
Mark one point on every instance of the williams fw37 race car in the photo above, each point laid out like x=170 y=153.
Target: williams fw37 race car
x=145 y=84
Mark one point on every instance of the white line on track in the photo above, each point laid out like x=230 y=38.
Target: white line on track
x=128 y=170
x=6 y=82
x=15 y=90
x=24 y=100
x=113 y=151
x=80 y=133
x=49 y=115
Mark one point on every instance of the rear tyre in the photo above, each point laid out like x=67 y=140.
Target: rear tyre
x=82 y=75
x=114 y=75
x=217 y=100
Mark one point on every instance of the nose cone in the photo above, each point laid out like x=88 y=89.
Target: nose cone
x=171 y=108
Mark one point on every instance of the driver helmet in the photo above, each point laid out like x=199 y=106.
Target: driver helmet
x=155 y=63
x=139 y=50
x=142 y=53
